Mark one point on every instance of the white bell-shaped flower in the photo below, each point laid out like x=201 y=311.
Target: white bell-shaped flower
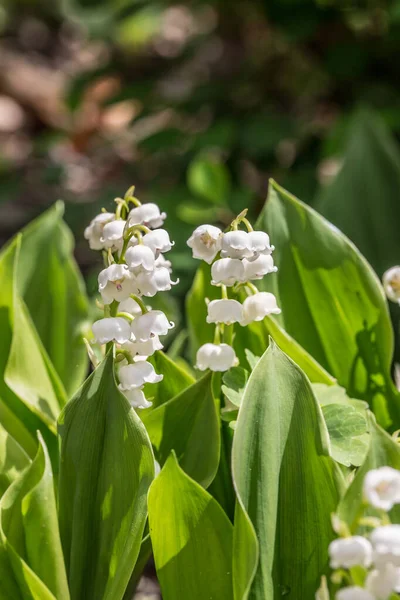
x=113 y=234
x=161 y=261
x=259 y=267
x=111 y=329
x=140 y=257
x=350 y=552
x=147 y=348
x=354 y=592
x=136 y=398
x=159 y=280
x=130 y=306
x=386 y=543
x=216 y=357
x=391 y=283
x=259 y=243
x=382 y=488
x=94 y=230
x=152 y=323
x=227 y=271
x=135 y=375
x=148 y=215
x=205 y=242
x=381 y=583
x=258 y=306
x=236 y=244
x=224 y=311
x=158 y=241
x=116 y=282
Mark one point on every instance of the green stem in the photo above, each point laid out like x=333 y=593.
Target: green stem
x=139 y=301
x=248 y=224
x=217 y=336
x=126 y=355
x=125 y=315
x=251 y=287
x=224 y=292
x=228 y=334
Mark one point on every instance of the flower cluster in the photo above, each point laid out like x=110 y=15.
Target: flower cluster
x=237 y=258
x=133 y=246
x=371 y=562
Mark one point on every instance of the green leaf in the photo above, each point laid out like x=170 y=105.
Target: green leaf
x=245 y=553
x=29 y=532
x=191 y=537
x=347 y=428
x=188 y=424
x=331 y=301
x=106 y=468
x=278 y=457
x=234 y=383
x=175 y=379
x=13 y=460
x=209 y=178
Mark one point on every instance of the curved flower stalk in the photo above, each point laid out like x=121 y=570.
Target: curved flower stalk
x=368 y=566
x=237 y=258
x=133 y=246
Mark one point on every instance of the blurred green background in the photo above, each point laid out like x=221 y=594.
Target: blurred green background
x=198 y=104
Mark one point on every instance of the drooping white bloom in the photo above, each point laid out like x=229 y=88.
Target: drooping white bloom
x=94 y=230
x=382 y=582
x=159 y=280
x=227 y=271
x=158 y=241
x=152 y=323
x=111 y=329
x=350 y=552
x=205 y=242
x=161 y=261
x=148 y=215
x=134 y=376
x=354 y=592
x=130 y=306
x=382 y=488
x=386 y=544
x=216 y=357
x=138 y=348
x=113 y=234
x=391 y=284
x=224 y=311
x=136 y=398
x=116 y=282
x=257 y=268
x=259 y=243
x=236 y=244
x=258 y=306
x=140 y=256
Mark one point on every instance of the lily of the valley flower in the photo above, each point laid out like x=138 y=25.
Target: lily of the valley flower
x=111 y=329
x=135 y=375
x=259 y=243
x=161 y=261
x=259 y=267
x=236 y=244
x=159 y=280
x=152 y=323
x=354 y=592
x=386 y=544
x=216 y=357
x=391 y=284
x=381 y=583
x=130 y=306
x=350 y=552
x=158 y=241
x=258 y=306
x=113 y=233
x=382 y=488
x=224 y=311
x=94 y=230
x=140 y=256
x=205 y=242
x=136 y=398
x=227 y=271
x=147 y=348
x=116 y=282
x=148 y=215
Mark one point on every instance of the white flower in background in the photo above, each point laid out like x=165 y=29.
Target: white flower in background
x=216 y=357
x=155 y=281
x=354 y=593
x=134 y=376
x=256 y=307
x=350 y=552
x=148 y=215
x=116 y=282
x=382 y=582
x=94 y=230
x=140 y=256
x=152 y=323
x=236 y=244
x=386 y=544
x=205 y=242
x=147 y=348
x=382 y=488
x=136 y=398
x=391 y=283
x=259 y=267
x=158 y=241
x=224 y=311
x=227 y=271
x=113 y=234
x=111 y=329
x=259 y=243
x=130 y=306
x=161 y=261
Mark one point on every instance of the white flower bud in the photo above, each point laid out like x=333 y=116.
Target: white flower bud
x=256 y=307
x=382 y=488
x=159 y=280
x=257 y=268
x=147 y=348
x=116 y=282
x=224 y=311
x=391 y=284
x=236 y=244
x=137 y=398
x=382 y=582
x=216 y=357
x=111 y=329
x=350 y=552
x=386 y=543
x=140 y=256
x=158 y=241
x=130 y=306
x=148 y=215
x=205 y=242
x=259 y=242
x=94 y=230
x=135 y=375
x=227 y=271
x=354 y=593
x=161 y=261
x=113 y=234
x=151 y=324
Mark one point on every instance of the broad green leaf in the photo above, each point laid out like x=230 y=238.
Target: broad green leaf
x=245 y=553
x=175 y=379
x=209 y=179
x=191 y=537
x=335 y=394
x=234 y=383
x=188 y=424
x=30 y=535
x=331 y=301
x=106 y=467
x=347 y=428
x=284 y=479
x=13 y=460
